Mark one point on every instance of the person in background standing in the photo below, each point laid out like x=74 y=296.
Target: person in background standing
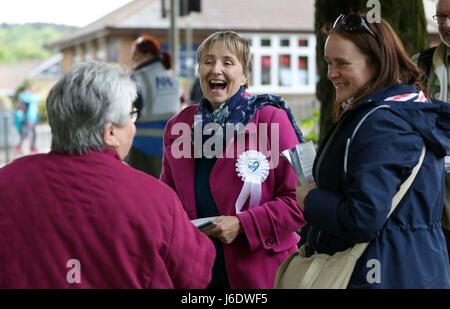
x=196 y=93
x=158 y=100
x=26 y=117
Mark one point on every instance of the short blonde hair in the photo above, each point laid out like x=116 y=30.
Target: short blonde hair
x=238 y=45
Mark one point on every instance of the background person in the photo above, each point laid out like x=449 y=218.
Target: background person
x=80 y=201
x=436 y=64
x=158 y=100
x=196 y=93
x=251 y=242
x=369 y=67
x=26 y=117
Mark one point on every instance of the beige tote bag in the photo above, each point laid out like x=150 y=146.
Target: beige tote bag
x=323 y=271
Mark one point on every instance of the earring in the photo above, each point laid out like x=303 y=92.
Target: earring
x=113 y=144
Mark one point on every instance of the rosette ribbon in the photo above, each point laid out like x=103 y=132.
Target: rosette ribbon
x=253 y=168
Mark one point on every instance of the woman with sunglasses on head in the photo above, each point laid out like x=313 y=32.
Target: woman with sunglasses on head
x=384 y=118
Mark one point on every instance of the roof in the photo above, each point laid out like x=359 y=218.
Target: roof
x=239 y=15
x=12 y=75
x=49 y=69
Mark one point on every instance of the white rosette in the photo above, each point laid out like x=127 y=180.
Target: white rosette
x=253 y=168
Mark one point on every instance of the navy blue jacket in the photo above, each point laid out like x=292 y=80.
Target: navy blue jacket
x=408 y=249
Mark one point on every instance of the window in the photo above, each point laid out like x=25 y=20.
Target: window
x=101 y=49
x=284 y=69
x=303 y=70
x=265 y=42
x=113 y=50
x=302 y=43
x=78 y=51
x=285 y=42
x=283 y=63
x=266 y=64
x=88 y=51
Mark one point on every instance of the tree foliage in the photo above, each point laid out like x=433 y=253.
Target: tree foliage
x=407 y=17
x=27 y=41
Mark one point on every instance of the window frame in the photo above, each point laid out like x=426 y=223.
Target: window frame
x=275 y=50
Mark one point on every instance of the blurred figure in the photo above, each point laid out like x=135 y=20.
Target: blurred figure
x=158 y=100
x=196 y=93
x=79 y=217
x=20 y=117
x=26 y=117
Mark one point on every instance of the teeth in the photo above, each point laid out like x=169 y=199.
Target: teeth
x=217 y=82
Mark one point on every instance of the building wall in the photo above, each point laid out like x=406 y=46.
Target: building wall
x=301 y=98
x=68 y=59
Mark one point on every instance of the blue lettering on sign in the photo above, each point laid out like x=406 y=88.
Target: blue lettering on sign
x=163 y=81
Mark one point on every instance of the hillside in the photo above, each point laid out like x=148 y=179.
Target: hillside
x=27 y=41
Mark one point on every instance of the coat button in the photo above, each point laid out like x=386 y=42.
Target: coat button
x=269 y=241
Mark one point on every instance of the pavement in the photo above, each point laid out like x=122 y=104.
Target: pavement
x=43 y=142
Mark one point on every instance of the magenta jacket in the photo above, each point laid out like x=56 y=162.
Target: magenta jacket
x=125 y=228
x=269 y=229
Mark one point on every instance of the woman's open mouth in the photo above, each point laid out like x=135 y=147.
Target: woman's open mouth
x=217 y=86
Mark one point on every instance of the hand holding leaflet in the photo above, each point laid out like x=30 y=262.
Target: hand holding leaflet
x=204 y=223
x=301 y=157
x=447 y=164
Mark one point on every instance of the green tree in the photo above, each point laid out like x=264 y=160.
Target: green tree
x=407 y=17
x=27 y=41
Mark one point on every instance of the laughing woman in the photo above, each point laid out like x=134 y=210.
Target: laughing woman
x=251 y=192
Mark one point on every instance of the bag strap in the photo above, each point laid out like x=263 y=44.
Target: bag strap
x=407 y=183
x=359 y=248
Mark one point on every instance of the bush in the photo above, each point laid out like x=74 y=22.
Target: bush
x=310 y=127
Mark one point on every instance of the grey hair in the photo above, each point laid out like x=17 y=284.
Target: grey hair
x=238 y=45
x=86 y=98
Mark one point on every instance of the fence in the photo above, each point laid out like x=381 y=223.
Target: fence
x=5 y=135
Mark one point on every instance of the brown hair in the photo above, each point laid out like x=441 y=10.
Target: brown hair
x=386 y=54
x=148 y=44
x=239 y=46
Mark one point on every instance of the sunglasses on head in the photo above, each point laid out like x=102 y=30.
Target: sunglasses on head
x=353 y=23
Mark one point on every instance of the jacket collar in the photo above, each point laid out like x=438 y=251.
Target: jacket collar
x=106 y=152
x=387 y=92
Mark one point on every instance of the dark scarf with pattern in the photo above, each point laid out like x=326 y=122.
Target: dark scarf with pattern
x=241 y=108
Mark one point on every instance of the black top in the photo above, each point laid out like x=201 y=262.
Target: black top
x=206 y=207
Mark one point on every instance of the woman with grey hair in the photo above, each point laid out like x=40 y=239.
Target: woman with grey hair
x=80 y=217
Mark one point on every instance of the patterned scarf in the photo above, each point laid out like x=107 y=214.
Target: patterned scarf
x=241 y=108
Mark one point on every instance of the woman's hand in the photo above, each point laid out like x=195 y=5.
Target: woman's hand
x=226 y=230
x=302 y=192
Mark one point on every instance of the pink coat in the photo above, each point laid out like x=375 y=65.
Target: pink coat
x=126 y=229
x=269 y=229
